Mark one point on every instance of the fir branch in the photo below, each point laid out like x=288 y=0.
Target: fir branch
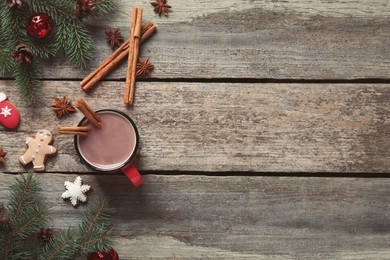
x=104 y=7
x=97 y=218
x=54 y=8
x=58 y=10
x=10 y=246
x=27 y=215
x=95 y=235
x=72 y=36
x=97 y=213
x=7 y=62
x=78 y=47
x=13 y=20
x=60 y=36
x=61 y=246
x=99 y=243
x=43 y=50
x=26 y=78
x=11 y=35
x=36 y=221
x=22 y=193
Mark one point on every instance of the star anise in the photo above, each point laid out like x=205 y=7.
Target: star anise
x=160 y=6
x=114 y=38
x=2 y=155
x=63 y=107
x=144 y=67
x=23 y=54
x=45 y=234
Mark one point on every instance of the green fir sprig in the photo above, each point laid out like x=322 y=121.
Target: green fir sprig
x=28 y=214
x=92 y=235
x=70 y=38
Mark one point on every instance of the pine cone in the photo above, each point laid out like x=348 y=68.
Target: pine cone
x=16 y=3
x=22 y=54
x=45 y=234
x=84 y=7
x=4 y=216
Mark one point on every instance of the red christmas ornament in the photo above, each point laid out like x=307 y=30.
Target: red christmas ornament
x=111 y=255
x=9 y=115
x=39 y=25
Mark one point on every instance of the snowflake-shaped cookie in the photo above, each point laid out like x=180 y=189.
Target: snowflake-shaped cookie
x=76 y=191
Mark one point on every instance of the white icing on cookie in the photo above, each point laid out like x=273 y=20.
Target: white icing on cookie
x=76 y=191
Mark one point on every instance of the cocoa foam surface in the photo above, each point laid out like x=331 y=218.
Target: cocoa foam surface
x=110 y=146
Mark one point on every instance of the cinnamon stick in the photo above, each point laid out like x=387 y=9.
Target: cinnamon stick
x=148 y=33
x=146 y=27
x=90 y=114
x=114 y=59
x=110 y=58
x=72 y=133
x=135 y=33
x=73 y=130
x=130 y=55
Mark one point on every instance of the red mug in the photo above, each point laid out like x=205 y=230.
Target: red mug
x=112 y=147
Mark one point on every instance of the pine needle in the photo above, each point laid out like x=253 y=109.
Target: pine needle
x=61 y=246
x=7 y=61
x=26 y=78
x=93 y=230
x=27 y=216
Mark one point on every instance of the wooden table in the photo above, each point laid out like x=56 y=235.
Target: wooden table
x=264 y=132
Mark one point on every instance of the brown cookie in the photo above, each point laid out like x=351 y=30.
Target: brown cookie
x=38 y=148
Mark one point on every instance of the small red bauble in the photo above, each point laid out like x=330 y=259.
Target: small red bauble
x=111 y=255
x=39 y=25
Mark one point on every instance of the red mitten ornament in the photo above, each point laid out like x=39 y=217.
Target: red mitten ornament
x=9 y=115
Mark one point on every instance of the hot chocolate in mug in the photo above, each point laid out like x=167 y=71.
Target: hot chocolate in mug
x=112 y=147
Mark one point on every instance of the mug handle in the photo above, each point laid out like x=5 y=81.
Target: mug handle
x=132 y=173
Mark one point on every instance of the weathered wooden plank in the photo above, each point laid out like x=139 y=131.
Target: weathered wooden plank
x=200 y=217
x=229 y=127
x=294 y=39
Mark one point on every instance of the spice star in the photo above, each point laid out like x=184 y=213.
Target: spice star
x=76 y=191
x=5 y=111
x=114 y=38
x=63 y=107
x=160 y=6
x=143 y=67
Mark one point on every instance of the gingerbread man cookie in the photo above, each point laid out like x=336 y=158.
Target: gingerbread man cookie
x=38 y=148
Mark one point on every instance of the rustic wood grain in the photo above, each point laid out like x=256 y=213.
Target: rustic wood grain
x=200 y=217
x=292 y=39
x=222 y=127
x=192 y=130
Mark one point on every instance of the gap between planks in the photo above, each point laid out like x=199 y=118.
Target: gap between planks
x=231 y=80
